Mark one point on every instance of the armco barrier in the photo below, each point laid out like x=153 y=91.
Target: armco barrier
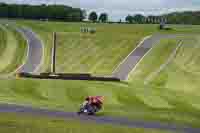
x=69 y=76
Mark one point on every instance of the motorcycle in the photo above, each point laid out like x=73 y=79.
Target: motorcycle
x=87 y=109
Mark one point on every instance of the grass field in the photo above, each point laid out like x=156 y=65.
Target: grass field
x=181 y=75
x=154 y=59
x=126 y=100
x=171 y=96
x=183 y=72
x=12 y=123
x=2 y=40
x=13 y=50
x=78 y=52
x=97 y=54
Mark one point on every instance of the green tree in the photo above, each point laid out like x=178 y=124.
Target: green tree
x=93 y=16
x=129 y=19
x=52 y=12
x=139 y=18
x=103 y=17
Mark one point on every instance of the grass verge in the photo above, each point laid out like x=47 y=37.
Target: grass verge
x=15 y=123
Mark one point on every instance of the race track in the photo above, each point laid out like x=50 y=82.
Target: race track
x=35 y=51
x=98 y=119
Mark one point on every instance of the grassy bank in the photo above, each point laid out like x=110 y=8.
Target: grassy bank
x=2 y=40
x=157 y=56
x=97 y=54
x=183 y=72
x=12 y=123
x=126 y=100
x=180 y=75
x=78 y=52
x=13 y=51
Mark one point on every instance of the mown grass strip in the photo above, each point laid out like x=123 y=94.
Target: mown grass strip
x=13 y=52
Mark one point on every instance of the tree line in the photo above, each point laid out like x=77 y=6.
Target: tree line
x=141 y=19
x=47 y=12
x=67 y=13
x=186 y=17
x=93 y=17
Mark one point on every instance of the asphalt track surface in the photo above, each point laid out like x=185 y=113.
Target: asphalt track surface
x=35 y=51
x=125 y=68
x=34 y=60
x=21 y=110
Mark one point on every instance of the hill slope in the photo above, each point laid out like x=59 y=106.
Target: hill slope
x=13 y=51
x=98 y=53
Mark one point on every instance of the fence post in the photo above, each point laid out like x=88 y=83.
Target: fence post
x=53 y=63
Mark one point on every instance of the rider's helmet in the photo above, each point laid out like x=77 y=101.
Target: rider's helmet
x=95 y=99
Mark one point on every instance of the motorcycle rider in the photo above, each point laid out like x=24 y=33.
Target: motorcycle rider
x=95 y=101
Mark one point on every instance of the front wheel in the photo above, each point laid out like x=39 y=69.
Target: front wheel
x=81 y=111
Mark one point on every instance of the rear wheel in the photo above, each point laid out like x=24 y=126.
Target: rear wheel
x=91 y=113
x=79 y=113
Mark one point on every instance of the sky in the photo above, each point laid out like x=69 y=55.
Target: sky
x=118 y=9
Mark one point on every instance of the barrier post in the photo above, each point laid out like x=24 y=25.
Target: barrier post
x=53 y=64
